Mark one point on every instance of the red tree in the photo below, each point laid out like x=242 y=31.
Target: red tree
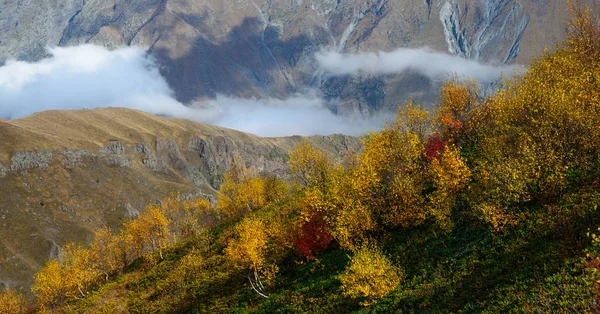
x=434 y=146
x=314 y=238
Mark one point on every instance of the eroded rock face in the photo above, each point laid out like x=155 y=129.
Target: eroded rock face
x=200 y=162
x=258 y=48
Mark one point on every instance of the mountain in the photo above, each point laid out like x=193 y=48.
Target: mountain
x=265 y=48
x=64 y=174
x=487 y=205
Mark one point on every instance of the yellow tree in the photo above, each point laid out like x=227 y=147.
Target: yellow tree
x=150 y=230
x=50 y=284
x=126 y=247
x=390 y=173
x=247 y=251
x=449 y=174
x=456 y=109
x=309 y=165
x=67 y=278
x=275 y=188
x=351 y=217
x=188 y=217
x=12 y=302
x=370 y=275
x=242 y=191
x=80 y=271
x=538 y=135
x=105 y=250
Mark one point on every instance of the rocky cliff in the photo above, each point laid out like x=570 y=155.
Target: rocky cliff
x=257 y=48
x=63 y=174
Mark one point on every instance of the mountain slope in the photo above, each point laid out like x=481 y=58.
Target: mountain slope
x=259 y=48
x=63 y=174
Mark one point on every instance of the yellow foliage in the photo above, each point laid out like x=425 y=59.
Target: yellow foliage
x=450 y=174
x=50 y=284
x=456 y=108
x=188 y=218
x=541 y=127
x=310 y=165
x=413 y=119
x=247 y=249
x=382 y=186
x=370 y=276
x=12 y=302
x=105 y=250
x=352 y=225
x=150 y=231
x=81 y=271
x=275 y=189
x=68 y=278
x=389 y=177
x=242 y=191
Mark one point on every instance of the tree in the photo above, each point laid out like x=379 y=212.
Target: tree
x=150 y=230
x=450 y=175
x=389 y=176
x=310 y=166
x=50 y=284
x=370 y=276
x=242 y=191
x=313 y=238
x=105 y=251
x=80 y=271
x=67 y=278
x=537 y=137
x=12 y=302
x=456 y=109
x=247 y=251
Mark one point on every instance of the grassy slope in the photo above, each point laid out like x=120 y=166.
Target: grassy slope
x=468 y=271
x=45 y=208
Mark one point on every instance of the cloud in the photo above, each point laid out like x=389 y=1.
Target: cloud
x=302 y=115
x=434 y=65
x=89 y=76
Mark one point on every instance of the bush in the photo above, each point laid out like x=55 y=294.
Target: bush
x=370 y=276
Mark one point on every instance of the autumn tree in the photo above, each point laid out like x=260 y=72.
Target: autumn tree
x=309 y=165
x=449 y=174
x=456 y=109
x=537 y=137
x=370 y=275
x=313 y=237
x=150 y=231
x=80 y=269
x=242 y=191
x=50 y=284
x=390 y=173
x=11 y=302
x=105 y=248
x=247 y=251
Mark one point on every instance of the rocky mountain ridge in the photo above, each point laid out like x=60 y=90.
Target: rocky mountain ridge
x=265 y=48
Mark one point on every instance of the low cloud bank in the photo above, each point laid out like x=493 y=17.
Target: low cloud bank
x=89 y=76
x=302 y=115
x=434 y=65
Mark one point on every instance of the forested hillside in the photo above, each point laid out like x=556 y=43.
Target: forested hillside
x=485 y=205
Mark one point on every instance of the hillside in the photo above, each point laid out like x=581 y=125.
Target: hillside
x=485 y=205
x=64 y=174
x=259 y=48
